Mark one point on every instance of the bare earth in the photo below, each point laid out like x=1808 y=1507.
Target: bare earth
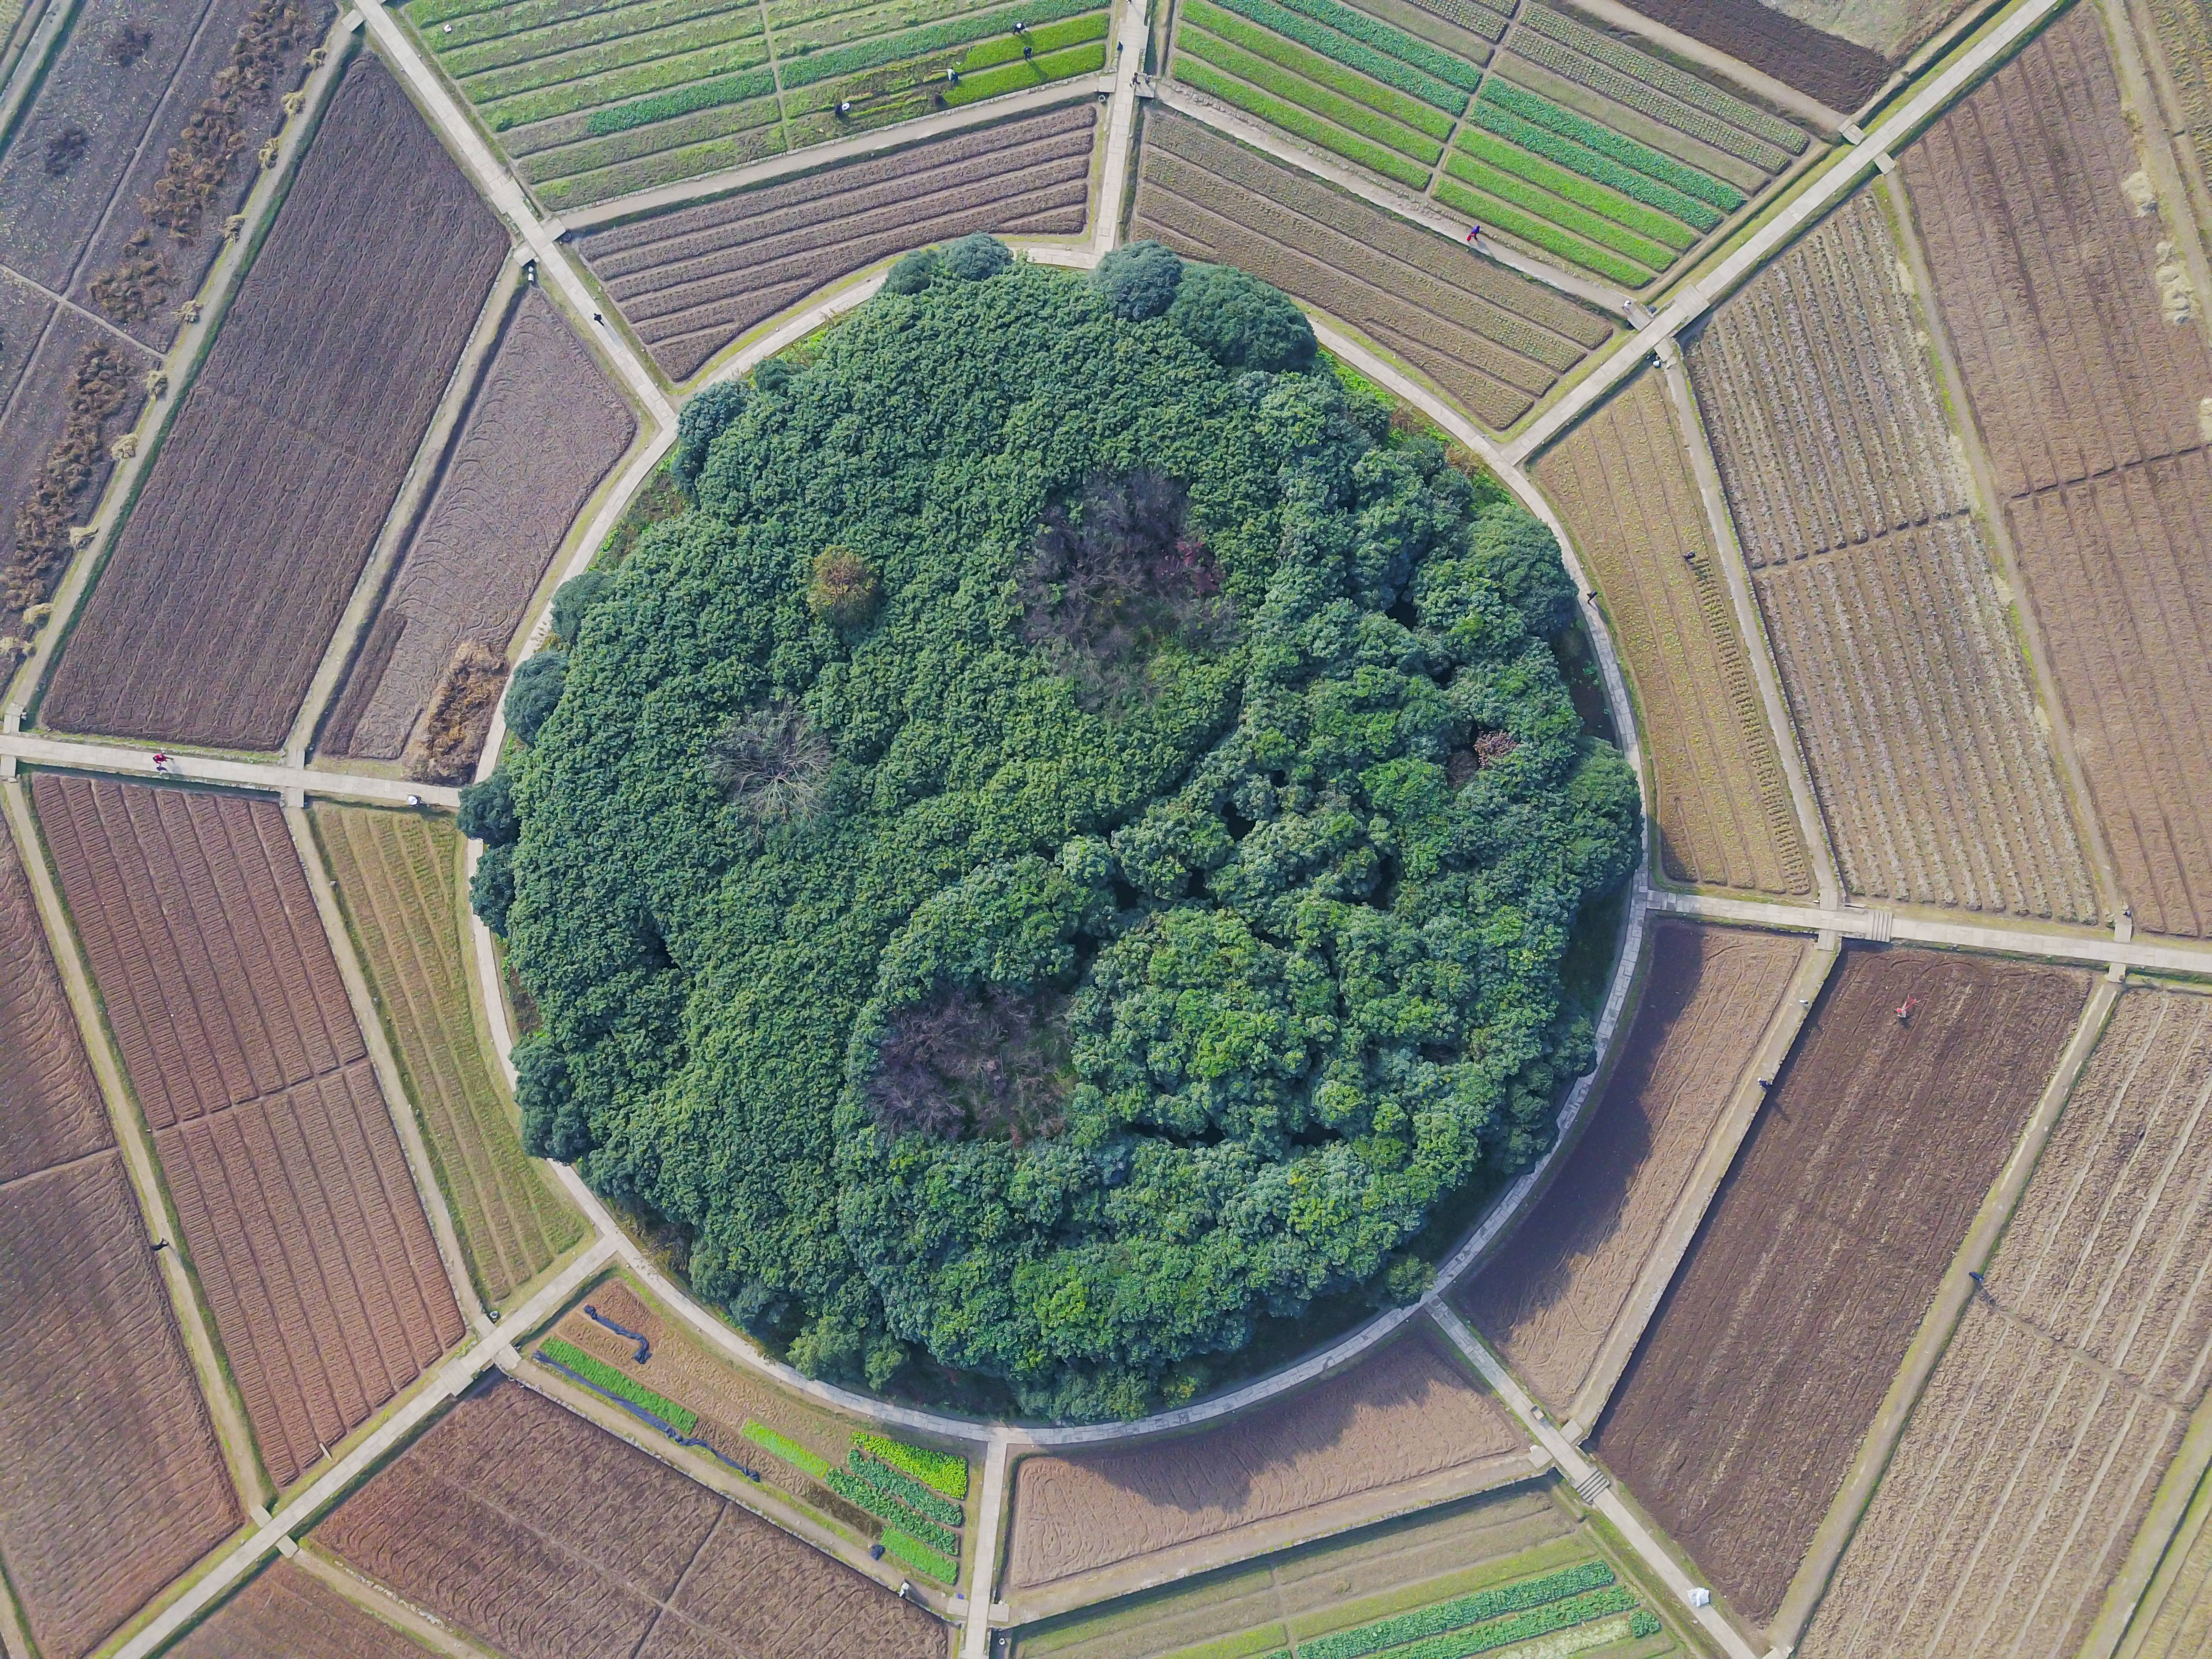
x=285 y=1615
x=1393 y=1418
x=1562 y=1284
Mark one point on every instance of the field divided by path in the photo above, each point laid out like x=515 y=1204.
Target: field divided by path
x=1495 y=341
x=532 y=1530
x=1904 y=678
x=2035 y=1450
x=1552 y=1301
x=1744 y=1405
x=111 y=1482
x=255 y=519
x=692 y=281
x=2184 y=37
x=294 y=1196
x=2056 y=284
x=284 y=1613
x=1721 y=804
x=399 y=878
x=1397 y=1417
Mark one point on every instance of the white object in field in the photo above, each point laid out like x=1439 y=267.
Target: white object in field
x=1700 y=1596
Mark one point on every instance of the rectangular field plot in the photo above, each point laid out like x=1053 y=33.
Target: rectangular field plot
x=1401 y=1427
x=1905 y=682
x=691 y=281
x=399 y=878
x=284 y=1613
x=2034 y=1451
x=815 y=1459
x=54 y=1112
x=1745 y=1402
x=502 y=508
x=2086 y=374
x=295 y=1202
x=1828 y=67
x=275 y=478
x=1493 y=339
x=532 y=1531
x=2184 y=37
x=2175 y=1618
x=1562 y=1302
x=1623 y=485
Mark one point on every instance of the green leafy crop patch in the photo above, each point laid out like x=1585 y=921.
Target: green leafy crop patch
x=1126 y=925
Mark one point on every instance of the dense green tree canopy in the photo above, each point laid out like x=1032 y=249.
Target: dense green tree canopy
x=1133 y=920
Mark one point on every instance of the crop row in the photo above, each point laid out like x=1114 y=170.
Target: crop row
x=1521 y=1626
x=488 y=86
x=885 y=1507
x=805 y=27
x=1389 y=68
x=1459 y=1611
x=1406 y=48
x=1641 y=158
x=1562 y=181
x=1028 y=72
x=1322 y=71
x=1495 y=213
x=514 y=34
x=896 y=1483
x=1275 y=111
x=789 y=1450
x=1627 y=90
x=942 y=1471
x=542 y=103
x=1475 y=20
x=605 y=1378
x=1577 y=158
x=1642 y=67
x=1594 y=228
x=654 y=165
x=1353 y=117
x=805 y=70
x=902 y=1545
x=667 y=105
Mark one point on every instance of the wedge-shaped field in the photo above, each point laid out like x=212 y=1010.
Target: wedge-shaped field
x=111 y=1484
x=1747 y=1401
x=2175 y=1618
x=502 y=508
x=1721 y=804
x=532 y=1531
x=2087 y=372
x=399 y=878
x=1829 y=68
x=1401 y=1427
x=2034 y=1451
x=1564 y=1300
x=275 y=478
x=1493 y=340
x=296 y=1203
x=691 y=281
x=1904 y=678
x=286 y=1614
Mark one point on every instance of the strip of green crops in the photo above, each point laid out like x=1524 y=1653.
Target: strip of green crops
x=1604 y=140
x=941 y=1471
x=1459 y=1611
x=1442 y=91
x=539 y=28
x=667 y=105
x=857 y=1492
x=566 y=68
x=904 y=1546
x=1028 y=72
x=1590 y=226
x=1589 y=163
x=1359 y=118
x=789 y=1450
x=1679 y=83
x=1312 y=66
x=1541 y=232
x=802 y=71
x=1275 y=112
x=605 y=1378
x=1634 y=216
x=570 y=96
x=1444 y=65
x=1053 y=37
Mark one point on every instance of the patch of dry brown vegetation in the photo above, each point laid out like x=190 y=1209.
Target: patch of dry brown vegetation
x=99 y=387
x=445 y=745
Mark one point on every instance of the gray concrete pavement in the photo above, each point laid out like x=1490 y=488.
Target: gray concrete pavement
x=136 y=760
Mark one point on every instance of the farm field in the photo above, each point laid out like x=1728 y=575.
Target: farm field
x=1913 y=699
x=691 y=281
x=2175 y=1618
x=1841 y=74
x=1747 y=1400
x=284 y=1613
x=532 y=1530
x=1890 y=28
x=256 y=518
x=1493 y=339
x=501 y=509
x=2184 y=37
x=1454 y=1563
x=1395 y=1418
x=1722 y=808
x=399 y=878
x=294 y=1197
x=800 y=1451
x=2087 y=397
x=597 y=102
x=1558 y=1301
x=2035 y=1450
x=110 y=1483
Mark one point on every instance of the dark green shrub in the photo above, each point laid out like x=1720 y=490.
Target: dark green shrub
x=1139 y=281
x=574 y=598
x=533 y=692
x=975 y=258
x=704 y=419
x=554 y=1124
x=773 y=377
x=1240 y=321
x=491 y=890
x=914 y=272
x=487 y=812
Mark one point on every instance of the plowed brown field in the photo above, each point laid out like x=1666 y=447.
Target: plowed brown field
x=1919 y=721
x=692 y=281
x=1747 y=1399
x=2175 y=1620
x=2089 y=401
x=2033 y=1454
x=2185 y=36
x=54 y=1112
x=1555 y=1300
x=1493 y=339
x=285 y=1615
x=1393 y=1418
x=1829 y=68
x=279 y=466
x=1721 y=805
x=545 y=1537
x=294 y=1196
x=501 y=512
